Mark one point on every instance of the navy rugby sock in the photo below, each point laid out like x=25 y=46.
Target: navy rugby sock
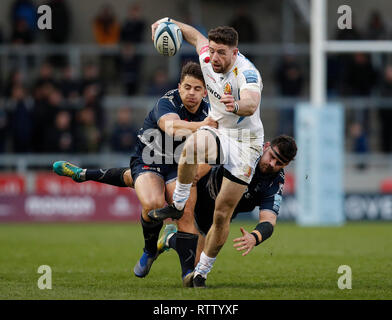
x=185 y=244
x=112 y=176
x=151 y=234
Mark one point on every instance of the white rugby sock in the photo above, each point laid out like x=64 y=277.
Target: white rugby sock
x=181 y=194
x=204 y=266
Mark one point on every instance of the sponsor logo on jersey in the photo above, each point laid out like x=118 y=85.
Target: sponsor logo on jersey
x=152 y=168
x=228 y=88
x=277 y=202
x=213 y=92
x=251 y=76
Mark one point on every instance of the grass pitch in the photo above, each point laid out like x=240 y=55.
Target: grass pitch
x=95 y=261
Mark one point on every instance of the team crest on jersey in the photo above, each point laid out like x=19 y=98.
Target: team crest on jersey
x=248 y=172
x=228 y=88
x=235 y=71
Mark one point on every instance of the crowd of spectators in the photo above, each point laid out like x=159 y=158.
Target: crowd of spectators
x=364 y=75
x=57 y=112
x=60 y=114
x=106 y=27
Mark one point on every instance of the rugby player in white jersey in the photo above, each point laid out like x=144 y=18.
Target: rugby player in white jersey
x=234 y=89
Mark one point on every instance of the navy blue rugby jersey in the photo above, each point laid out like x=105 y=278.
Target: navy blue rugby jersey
x=264 y=191
x=154 y=138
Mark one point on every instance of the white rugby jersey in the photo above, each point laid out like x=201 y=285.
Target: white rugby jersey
x=243 y=75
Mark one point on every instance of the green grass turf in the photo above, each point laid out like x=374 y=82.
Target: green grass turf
x=94 y=261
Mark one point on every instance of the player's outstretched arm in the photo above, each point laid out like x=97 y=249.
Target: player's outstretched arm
x=190 y=34
x=263 y=230
x=174 y=126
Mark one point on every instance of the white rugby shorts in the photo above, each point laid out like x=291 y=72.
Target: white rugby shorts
x=240 y=152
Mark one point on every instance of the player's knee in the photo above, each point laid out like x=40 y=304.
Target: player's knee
x=221 y=218
x=227 y=205
x=186 y=225
x=200 y=147
x=152 y=204
x=206 y=147
x=189 y=151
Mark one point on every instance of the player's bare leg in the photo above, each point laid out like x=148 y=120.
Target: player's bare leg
x=186 y=223
x=226 y=201
x=184 y=241
x=201 y=147
x=150 y=189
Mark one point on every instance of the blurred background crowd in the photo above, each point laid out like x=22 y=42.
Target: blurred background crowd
x=50 y=104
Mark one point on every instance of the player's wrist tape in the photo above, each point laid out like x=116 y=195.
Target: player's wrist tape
x=236 y=107
x=256 y=237
x=265 y=228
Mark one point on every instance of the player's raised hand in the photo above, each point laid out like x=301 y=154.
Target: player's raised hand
x=155 y=25
x=246 y=242
x=210 y=122
x=229 y=101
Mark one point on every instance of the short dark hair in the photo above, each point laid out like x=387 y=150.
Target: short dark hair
x=224 y=35
x=192 y=69
x=286 y=145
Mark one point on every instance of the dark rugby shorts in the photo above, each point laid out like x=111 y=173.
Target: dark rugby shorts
x=168 y=172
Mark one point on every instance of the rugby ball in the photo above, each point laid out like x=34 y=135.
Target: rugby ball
x=168 y=38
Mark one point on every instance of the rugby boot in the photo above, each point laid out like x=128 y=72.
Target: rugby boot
x=187 y=280
x=162 y=244
x=64 y=168
x=143 y=266
x=199 y=281
x=167 y=212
